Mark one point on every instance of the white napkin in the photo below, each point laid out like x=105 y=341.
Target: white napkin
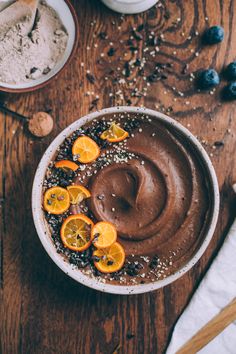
x=217 y=289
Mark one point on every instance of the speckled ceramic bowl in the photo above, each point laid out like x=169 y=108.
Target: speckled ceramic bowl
x=69 y=19
x=42 y=227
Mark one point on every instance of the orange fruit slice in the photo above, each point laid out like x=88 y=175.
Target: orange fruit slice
x=110 y=259
x=86 y=149
x=104 y=234
x=67 y=165
x=56 y=200
x=78 y=193
x=114 y=134
x=76 y=232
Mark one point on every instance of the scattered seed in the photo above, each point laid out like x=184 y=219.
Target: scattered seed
x=103 y=35
x=96 y=259
x=219 y=143
x=130 y=335
x=90 y=78
x=60 y=198
x=137 y=35
x=111 y=52
x=100 y=197
x=185 y=69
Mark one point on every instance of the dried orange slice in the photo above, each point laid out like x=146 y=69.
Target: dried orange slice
x=86 y=149
x=56 y=200
x=109 y=260
x=76 y=232
x=78 y=193
x=67 y=165
x=114 y=134
x=104 y=234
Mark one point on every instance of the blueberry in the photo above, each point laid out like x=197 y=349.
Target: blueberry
x=230 y=71
x=230 y=91
x=208 y=79
x=213 y=35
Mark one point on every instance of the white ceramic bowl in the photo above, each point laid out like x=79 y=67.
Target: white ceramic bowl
x=69 y=19
x=42 y=227
x=129 y=6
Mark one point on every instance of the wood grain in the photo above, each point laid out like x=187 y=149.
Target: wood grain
x=42 y=310
x=214 y=327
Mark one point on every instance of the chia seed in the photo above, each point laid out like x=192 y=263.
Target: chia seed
x=111 y=52
x=103 y=35
x=110 y=262
x=90 y=78
x=137 y=35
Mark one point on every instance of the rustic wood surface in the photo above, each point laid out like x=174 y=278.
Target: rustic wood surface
x=44 y=311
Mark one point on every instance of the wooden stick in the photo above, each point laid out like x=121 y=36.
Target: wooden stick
x=210 y=330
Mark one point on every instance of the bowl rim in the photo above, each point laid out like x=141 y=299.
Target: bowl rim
x=61 y=70
x=40 y=223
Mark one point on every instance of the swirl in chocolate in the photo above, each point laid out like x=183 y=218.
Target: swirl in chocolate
x=154 y=189
x=157 y=197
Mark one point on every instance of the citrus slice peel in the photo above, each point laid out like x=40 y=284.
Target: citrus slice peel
x=111 y=259
x=104 y=234
x=85 y=149
x=114 y=134
x=76 y=232
x=56 y=200
x=78 y=193
x=66 y=164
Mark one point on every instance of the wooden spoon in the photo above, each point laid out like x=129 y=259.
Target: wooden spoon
x=17 y=12
x=210 y=330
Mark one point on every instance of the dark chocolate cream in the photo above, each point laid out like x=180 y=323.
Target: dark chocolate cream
x=154 y=189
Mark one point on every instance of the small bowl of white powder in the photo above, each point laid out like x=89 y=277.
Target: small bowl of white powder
x=29 y=61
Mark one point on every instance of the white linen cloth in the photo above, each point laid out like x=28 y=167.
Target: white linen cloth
x=217 y=290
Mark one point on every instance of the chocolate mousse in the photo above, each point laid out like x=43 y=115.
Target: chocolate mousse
x=152 y=186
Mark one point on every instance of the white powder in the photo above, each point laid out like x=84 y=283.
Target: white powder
x=24 y=58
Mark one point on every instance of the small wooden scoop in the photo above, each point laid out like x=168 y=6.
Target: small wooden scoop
x=16 y=12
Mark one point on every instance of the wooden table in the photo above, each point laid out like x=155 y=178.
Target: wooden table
x=44 y=311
